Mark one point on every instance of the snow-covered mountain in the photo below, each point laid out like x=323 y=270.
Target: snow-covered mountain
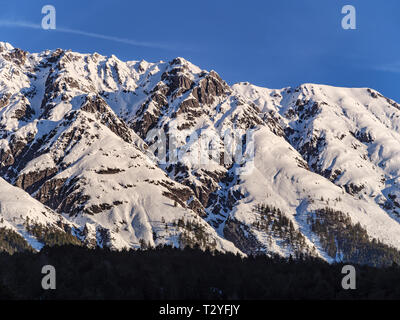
x=136 y=154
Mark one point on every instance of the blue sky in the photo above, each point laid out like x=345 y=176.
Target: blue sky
x=269 y=43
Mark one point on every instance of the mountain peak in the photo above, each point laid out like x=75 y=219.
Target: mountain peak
x=182 y=62
x=5 y=46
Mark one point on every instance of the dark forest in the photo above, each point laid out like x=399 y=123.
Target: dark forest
x=167 y=273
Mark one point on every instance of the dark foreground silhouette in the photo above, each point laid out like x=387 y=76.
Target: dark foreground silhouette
x=167 y=273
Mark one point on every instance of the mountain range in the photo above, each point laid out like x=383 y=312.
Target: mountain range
x=99 y=152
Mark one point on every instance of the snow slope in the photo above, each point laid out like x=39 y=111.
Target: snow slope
x=17 y=208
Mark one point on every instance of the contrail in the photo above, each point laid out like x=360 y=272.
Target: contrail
x=23 y=24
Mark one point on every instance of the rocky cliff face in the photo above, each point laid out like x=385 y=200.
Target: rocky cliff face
x=137 y=154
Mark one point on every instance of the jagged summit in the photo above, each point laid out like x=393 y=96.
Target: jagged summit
x=317 y=170
x=5 y=46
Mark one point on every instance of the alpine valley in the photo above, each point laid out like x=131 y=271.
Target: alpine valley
x=78 y=165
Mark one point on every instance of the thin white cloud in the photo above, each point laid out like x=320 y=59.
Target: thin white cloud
x=23 y=24
x=393 y=67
